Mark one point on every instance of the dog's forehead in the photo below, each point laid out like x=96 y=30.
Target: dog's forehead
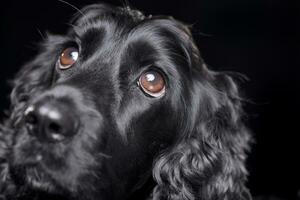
x=102 y=10
x=105 y=32
x=109 y=35
x=105 y=16
x=121 y=23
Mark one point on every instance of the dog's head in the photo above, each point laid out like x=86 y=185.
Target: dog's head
x=122 y=98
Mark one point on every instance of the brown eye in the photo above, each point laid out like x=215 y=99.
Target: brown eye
x=152 y=83
x=68 y=57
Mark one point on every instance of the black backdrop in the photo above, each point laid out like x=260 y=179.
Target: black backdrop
x=259 y=38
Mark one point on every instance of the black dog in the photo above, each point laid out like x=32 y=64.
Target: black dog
x=123 y=107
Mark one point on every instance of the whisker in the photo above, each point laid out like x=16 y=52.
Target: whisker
x=125 y=3
x=74 y=7
x=40 y=33
x=71 y=25
x=104 y=155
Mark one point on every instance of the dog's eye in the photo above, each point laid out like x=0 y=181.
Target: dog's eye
x=68 y=57
x=152 y=83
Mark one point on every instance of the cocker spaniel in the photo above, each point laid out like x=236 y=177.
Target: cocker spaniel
x=123 y=107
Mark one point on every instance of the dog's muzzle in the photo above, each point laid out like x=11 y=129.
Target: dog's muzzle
x=51 y=120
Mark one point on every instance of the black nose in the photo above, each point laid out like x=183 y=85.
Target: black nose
x=51 y=120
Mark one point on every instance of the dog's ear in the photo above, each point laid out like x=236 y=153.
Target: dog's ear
x=36 y=75
x=6 y=185
x=209 y=160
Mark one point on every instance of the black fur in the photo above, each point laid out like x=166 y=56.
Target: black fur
x=190 y=144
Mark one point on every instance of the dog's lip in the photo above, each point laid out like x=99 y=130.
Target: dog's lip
x=30 y=161
x=35 y=172
x=37 y=177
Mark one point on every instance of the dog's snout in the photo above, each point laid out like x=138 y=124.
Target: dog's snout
x=51 y=120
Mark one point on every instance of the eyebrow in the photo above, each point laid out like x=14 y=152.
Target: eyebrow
x=91 y=40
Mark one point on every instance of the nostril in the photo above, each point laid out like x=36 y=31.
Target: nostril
x=31 y=118
x=56 y=131
x=55 y=128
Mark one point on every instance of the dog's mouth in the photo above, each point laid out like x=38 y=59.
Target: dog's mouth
x=38 y=178
x=33 y=175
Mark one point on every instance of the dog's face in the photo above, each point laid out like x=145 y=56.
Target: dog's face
x=121 y=97
x=113 y=103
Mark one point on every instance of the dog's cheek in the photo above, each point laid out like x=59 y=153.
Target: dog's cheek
x=81 y=159
x=21 y=149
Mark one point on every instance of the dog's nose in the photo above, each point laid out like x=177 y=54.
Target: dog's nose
x=51 y=120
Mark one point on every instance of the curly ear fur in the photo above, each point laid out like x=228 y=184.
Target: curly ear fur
x=6 y=185
x=209 y=161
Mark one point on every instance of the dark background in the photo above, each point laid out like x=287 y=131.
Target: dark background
x=259 y=38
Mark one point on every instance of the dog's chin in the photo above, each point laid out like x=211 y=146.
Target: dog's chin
x=38 y=179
